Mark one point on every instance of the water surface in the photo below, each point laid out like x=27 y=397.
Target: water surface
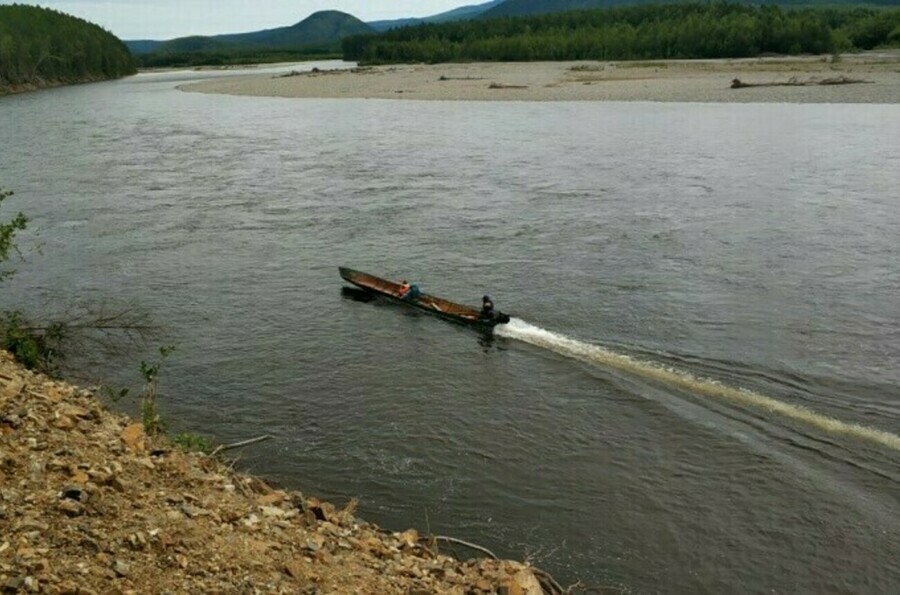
x=714 y=247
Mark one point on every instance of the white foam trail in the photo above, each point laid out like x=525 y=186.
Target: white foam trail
x=523 y=331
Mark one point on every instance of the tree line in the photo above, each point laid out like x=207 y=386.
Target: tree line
x=670 y=31
x=230 y=57
x=39 y=46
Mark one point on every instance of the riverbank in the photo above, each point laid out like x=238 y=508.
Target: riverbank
x=90 y=504
x=41 y=84
x=872 y=77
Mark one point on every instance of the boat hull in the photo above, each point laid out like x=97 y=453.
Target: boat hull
x=433 y=305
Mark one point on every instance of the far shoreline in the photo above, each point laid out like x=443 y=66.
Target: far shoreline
x=869 y=77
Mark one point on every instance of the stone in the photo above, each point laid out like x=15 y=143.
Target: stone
x=80 y=477
x=296 y=568
x=12 y=388
x=272 y=511
x=56 y=394
x=315 y=543
x=192 y=511
x=117 y=484
x=276 y=497
x=36 y=469
x=410 y=537
x=523 y=583
x=64 y=422
x=146 y=462
x=73 y=492
x=31 y=525
x=12 y=420
x=71 y=508
x=251 y=521
x=133 y=437
x=122 y=568
x=68 y=410
x=259 y=486
x=374 y=546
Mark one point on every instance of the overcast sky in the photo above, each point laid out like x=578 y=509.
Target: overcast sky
x=166 y=19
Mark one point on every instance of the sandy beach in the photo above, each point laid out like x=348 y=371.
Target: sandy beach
x=872 y=77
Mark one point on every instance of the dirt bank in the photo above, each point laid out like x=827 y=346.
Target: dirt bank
x=89 y=504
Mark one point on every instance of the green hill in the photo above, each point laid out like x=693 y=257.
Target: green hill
x=457 y=14
x=321 y=30
x=142 y=46
x=319 y=34
x=40 y=47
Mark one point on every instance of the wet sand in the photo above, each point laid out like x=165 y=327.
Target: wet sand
x=785 y=79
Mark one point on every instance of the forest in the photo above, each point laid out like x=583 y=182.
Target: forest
x=42 y=47
x=670 y=31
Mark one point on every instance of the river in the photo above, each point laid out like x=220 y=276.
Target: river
x=699 y=391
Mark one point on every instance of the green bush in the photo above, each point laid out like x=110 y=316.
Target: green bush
x=190 y=442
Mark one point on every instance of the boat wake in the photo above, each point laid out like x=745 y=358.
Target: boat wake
x=520 y=330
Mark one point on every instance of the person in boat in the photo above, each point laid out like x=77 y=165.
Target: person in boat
x=409 y=291
x=487 y=307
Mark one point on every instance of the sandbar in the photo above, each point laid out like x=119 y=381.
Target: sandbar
x=871 y=77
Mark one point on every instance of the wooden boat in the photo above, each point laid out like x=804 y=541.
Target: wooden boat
x=435 y=305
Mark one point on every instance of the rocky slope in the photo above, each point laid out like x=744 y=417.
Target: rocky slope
x=90 y=504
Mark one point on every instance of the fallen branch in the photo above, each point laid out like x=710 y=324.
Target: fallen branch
x=460 y=78
x=548 y=583
x=473 y=546
x=224 y=447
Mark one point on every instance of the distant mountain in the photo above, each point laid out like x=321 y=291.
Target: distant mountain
x=142 y=46
x=511 y=8
x=457 y=14
x=327 y=28
x=321 y=30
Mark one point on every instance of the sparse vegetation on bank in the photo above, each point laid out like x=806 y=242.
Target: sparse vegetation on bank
x=90 y=503
x=39 y=341
x=8 y=232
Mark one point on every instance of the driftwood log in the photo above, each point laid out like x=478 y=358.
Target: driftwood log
x=795 y=82
x=460 y=78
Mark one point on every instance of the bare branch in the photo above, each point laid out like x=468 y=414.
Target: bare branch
x=473 y=546
x=224 y=447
